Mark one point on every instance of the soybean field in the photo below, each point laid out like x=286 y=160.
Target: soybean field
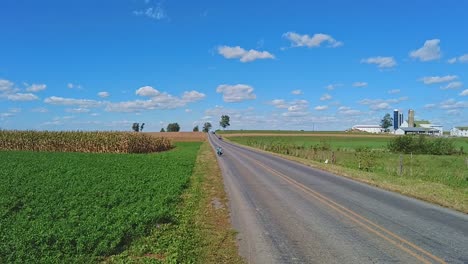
x=82 y=207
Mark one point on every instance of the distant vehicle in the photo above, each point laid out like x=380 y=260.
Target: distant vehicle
x=212 y=132
x=220 y=138
x=219 y=151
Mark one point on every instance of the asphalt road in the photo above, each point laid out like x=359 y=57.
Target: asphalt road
x=286 y=212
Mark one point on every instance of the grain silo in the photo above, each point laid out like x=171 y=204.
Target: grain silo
x=411 y=118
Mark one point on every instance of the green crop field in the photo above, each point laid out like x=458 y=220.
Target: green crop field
x=82 y=207
x=443 y=178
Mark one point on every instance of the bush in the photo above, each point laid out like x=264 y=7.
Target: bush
x=422 y=145
x=366 y=158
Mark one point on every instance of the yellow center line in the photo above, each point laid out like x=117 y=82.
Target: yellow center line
x=355 y=217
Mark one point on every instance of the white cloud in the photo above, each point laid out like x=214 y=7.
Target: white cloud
x=461 y=59
x=359 y=84
x=22 y=97
x=348 y=111
x=464 y=93
x=394 y=91
x=430 y=51
x=147 y=91
x=157 y=101
x=331 y=87
x=74 y=86
x=193 y=96
x=55 y=100
x=381 y=62
x=438 y=79
x=188 y=110
x=6 y=86
x=236 y=93
x=321 y=107
x=103 y=94
x=382 y=104
x=156 y=13
x=242 y=54
x=325 y=97
x=78 y=110
x=279 y=103
x=36 y=88
x=430 y=106
x=453 y=104
x=316 y=40
x=296 y=92
x=452 y=85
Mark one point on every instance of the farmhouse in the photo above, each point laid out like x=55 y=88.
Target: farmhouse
x=417 y=131
x=459 y=132
x=368 y=128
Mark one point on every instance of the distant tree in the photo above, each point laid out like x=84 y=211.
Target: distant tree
x=206 y=127
x=224 y=121
x=386 y=122
x=173 y=127
x=162 y=130
x=136 y=127
x=142 y=126
x=196 y=129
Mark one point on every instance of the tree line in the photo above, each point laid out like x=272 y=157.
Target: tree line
x=175 y=127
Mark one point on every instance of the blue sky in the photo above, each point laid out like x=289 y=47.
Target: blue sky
x=324 y=65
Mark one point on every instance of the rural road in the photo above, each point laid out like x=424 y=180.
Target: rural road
x=286 y=212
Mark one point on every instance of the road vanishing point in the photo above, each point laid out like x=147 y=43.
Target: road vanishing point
x=286 y=212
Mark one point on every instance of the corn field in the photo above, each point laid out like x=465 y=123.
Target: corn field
x=78 y=141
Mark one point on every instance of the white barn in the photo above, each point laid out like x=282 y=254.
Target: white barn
x=459 y=132
x=368 y=128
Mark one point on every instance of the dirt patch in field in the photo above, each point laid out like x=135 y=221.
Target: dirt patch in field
x=181 y=136
x=304 y=135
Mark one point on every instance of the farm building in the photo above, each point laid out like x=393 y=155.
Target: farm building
x=417 y=131
x=459 y=132
x=368 y=128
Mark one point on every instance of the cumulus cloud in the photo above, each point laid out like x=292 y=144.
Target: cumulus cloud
x=452 y=86
x=84 y=103
x=316 y=40
x=359 y=84
x=296 y=92
x=348 y=111
x=382 y=104
x=381 y=62
x=394 y=91
x=147 y=91
x=6 y=86
x=438 y=79
x=22 y=97
x=325 y=97
x=461 y=59
x=430 y=51
x=321 y=107
x=193 y=96
x=242 y=54
x=331 y=87
x=157 y=101
x=464 y=93
x=78 y=110
x=236 y=93
x=74 y=86
x=103 y=94
x=36 y=88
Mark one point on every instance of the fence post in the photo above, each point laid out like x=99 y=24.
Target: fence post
x=401 y=165
x=466 y=161
x=333 y=157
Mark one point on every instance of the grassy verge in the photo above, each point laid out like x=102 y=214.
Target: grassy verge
x=80 y=207
x=201 y=232
x=441 y=180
